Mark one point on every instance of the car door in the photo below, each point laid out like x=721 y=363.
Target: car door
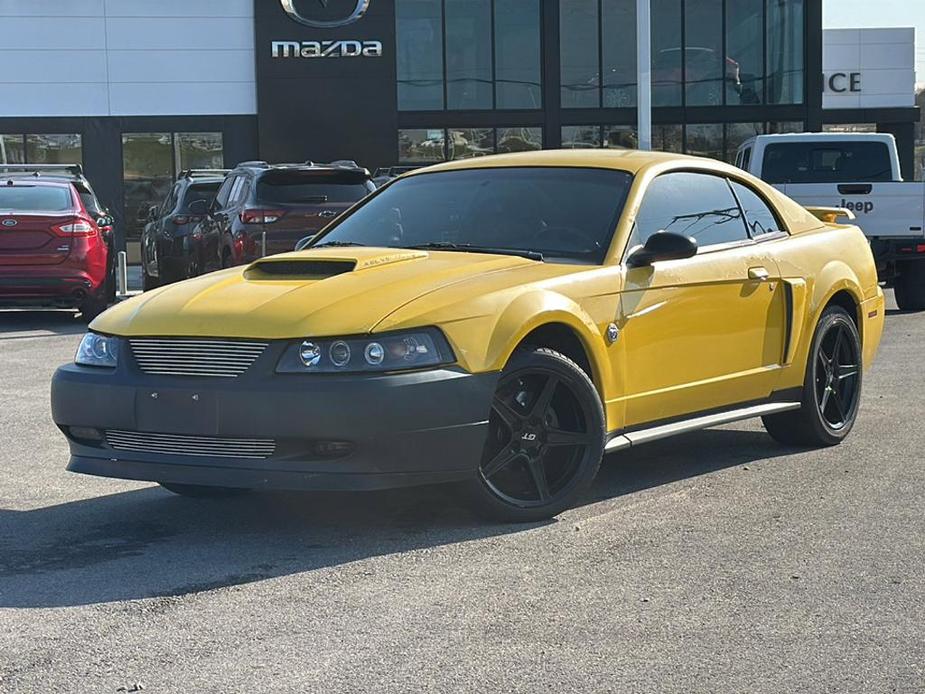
x=212 y=225
x=703 y=332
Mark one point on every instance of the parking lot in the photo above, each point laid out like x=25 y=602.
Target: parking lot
x=717 y=562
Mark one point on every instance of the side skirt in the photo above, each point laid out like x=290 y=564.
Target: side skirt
x=655 y=433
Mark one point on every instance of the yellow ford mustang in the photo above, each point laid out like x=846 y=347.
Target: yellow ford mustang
x=499 y=322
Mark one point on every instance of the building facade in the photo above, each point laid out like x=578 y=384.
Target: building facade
x=139 y=90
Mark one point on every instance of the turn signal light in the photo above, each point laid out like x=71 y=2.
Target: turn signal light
x=261 y=216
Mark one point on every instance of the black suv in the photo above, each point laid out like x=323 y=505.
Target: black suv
x=171 y=243
x=263 y=208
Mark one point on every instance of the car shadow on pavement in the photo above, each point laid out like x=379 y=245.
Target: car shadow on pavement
x=147 y=543
x=36 y=323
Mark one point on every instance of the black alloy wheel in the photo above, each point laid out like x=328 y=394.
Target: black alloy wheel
x=831 y=387
x=545 y=440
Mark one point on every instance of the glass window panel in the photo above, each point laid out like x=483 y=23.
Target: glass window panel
x=147 y=172
x=667 y=138
x=758 y=216
x=785 y=52
x=199 y=151
x=786 y=126
x=519 y=139
x=581 y=136
x=744 y=31
x=736 y=134
x=705 y=140
x=697 y=205
x=666 y=53
x=12 y=150
x=421 y=145
x=517 y=54
x=53 y=149
x=468 y=54
x=849 y=128
x=619 y=53
x=706 y=69
x=419 y=54
x=465 y=143
x=579 y=58
x=620 y=137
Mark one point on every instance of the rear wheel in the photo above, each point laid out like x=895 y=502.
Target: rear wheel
x=545 y=441
x=94 y=305
x=197 y=491
x=148 y=282
x=909 y=287
x=831 y=387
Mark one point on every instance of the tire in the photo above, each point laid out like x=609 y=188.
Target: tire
x=93 y=306
x=545 y=442
x=196 y=491
x=831 y=387
x=909 y=287
x=147 y=281
x=226 y=258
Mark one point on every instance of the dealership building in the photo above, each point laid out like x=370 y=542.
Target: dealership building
x=138 y=90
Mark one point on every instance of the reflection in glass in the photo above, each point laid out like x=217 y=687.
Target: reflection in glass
x=666 y=53
x=468 y=54
x=705 y=69
x=705 y=140
x=12 y=150
x=465 y=143
x=667 y=138
x=744 y=29
x=620 y=137
x=581 y=137
x=736 y=134
x=785 y=52
x=147 y=170
x=517 y=54
x=419 y=54
x=618 y=52
x=786 y=126
x=421 y=145
x=519 y=139
x=199 y=151
x=53 y=149
x=578 y=54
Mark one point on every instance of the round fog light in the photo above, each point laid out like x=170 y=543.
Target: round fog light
x=340 y=353
x=374 y=354
x=309 y=353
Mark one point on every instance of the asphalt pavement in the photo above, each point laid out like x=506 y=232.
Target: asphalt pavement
x=720 y=561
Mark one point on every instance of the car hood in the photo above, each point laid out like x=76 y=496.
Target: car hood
x=317 y=292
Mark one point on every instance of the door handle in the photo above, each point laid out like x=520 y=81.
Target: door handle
x=758 y=273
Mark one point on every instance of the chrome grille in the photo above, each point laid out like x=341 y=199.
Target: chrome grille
x=183 y=445
x=190 y=357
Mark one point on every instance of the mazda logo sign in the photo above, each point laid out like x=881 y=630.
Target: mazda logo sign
x=329 y=16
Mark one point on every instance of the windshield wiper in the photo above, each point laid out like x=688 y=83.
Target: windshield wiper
x=469 y=248
x=331 y=244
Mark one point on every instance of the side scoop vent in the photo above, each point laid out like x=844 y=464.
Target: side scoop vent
x=298 y=269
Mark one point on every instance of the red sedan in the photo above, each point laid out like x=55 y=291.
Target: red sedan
x=52 y=249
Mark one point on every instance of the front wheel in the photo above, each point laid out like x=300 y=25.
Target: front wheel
x=831 y=386
x=197 y=491
x=545 y=440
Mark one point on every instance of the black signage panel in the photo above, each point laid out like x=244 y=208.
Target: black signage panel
x=326 y=80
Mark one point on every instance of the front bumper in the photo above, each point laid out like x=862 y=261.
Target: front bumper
x=390 y=430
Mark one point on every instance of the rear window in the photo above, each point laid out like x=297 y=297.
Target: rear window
x=200 y=191
x=311 y=188
x=815 y=162
x=35 y=198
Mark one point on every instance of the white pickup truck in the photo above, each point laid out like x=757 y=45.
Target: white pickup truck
x=858 y=172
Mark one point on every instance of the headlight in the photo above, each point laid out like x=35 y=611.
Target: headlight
x=417 y=349
x=98 y=350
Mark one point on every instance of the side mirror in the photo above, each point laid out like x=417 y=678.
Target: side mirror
x=199 y=207
x=662 y=245
x=152 y=213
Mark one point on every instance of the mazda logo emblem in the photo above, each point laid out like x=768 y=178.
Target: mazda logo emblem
x=10 y=222
x=357 y=8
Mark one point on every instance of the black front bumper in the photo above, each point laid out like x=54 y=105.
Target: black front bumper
x=389 y=430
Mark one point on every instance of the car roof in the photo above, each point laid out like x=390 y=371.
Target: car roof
x=13 y=181
x=629 y=160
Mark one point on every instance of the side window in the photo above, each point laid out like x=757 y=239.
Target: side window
x=240 y=191
x=693 y=204
x=224 y=193
x=171 y=200
x=746 y=159
x=758 y=216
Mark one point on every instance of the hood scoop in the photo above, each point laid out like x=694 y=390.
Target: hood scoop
x=298 y=269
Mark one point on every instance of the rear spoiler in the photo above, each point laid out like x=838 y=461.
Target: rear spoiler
x=203 y=173
x=38 y=169
x=831 y=215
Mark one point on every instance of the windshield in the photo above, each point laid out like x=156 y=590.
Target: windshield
x=562 y=213
x=36 y=198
